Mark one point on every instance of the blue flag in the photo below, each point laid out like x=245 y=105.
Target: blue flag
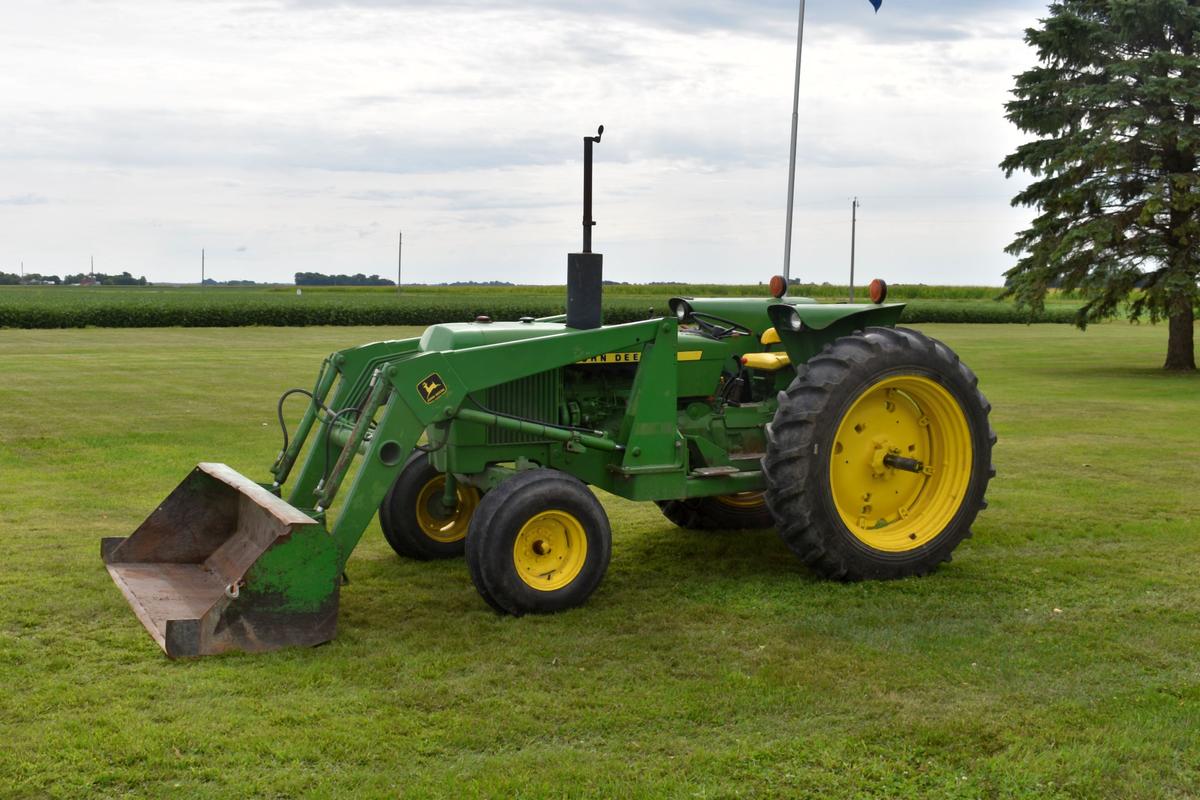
x=877 y=4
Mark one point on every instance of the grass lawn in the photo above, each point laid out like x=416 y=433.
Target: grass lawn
x=1057 y=656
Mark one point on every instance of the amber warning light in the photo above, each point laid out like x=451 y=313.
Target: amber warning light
x=878 y=291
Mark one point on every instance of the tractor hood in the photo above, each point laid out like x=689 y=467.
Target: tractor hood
x=461 y=335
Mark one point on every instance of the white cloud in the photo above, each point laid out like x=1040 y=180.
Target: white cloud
x=288 y=138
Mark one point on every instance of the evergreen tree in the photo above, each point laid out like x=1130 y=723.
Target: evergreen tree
x=1113 y=105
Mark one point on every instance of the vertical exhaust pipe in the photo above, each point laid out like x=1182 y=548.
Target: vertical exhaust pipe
x=585 y=270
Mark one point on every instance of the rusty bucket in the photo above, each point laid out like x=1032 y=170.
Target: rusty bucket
x=223 y=564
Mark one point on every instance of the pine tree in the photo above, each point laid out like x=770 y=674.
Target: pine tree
x=1113 y=105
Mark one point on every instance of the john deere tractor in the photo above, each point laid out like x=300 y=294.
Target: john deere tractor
x=866 y=445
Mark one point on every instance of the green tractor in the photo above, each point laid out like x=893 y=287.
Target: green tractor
x=866 y=445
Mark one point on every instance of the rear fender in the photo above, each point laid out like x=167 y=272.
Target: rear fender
x=804 y=330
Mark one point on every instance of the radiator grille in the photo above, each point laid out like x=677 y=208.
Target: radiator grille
x=536 y=398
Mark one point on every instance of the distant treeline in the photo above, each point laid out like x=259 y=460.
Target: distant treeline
x=11 y=279
x=358 y=279
x=321 y=279
x=99 y=278
x=472 y=283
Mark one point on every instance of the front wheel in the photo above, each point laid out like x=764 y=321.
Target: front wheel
x=539 y=543
x=879 y=456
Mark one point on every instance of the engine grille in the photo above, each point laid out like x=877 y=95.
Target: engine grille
x=536 y=397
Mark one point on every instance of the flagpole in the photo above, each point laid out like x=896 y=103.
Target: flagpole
x=787 y=248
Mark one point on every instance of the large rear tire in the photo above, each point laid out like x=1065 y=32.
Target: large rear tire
x=879 y=456
x=745 y=511
x=540 y=543
x=415 y=521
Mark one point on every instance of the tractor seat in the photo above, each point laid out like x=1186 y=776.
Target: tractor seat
x=767 y=362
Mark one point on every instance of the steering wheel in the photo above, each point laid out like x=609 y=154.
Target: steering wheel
x=719 y=327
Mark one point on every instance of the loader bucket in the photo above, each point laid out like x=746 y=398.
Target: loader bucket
x=223 y=564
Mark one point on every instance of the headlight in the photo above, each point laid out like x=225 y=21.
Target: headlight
x=681 y=308
x=795 y=322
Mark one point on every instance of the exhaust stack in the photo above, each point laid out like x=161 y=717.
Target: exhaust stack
x=585 y=270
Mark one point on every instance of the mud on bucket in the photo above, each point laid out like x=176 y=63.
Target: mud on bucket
x=223 y=564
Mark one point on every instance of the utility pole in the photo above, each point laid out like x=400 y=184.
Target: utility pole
x=399 y=262
x=853 y=238
x=787 y=247
x=93 y=272
x=201 y=267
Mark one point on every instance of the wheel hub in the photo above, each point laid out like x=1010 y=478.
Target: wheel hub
x=550 y=550
x=884 y=486
x=440 y=522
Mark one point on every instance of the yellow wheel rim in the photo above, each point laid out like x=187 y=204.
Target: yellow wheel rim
x=890 y=509
x=550 y=550
x=742 y=500
x=440 y=523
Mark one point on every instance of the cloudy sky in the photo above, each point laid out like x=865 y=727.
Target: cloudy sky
x=301 y=135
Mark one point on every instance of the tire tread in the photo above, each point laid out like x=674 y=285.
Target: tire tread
x=792 y=436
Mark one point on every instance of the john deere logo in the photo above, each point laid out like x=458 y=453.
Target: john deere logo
x=613 y=358
x=432 y=388
x=635 y=358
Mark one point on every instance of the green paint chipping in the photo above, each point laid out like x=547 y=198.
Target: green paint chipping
x=301 y=570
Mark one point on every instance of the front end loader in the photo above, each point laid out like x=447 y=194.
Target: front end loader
x=866 y=445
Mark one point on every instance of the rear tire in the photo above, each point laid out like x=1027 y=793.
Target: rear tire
x=413 y=519
x=540 y=543
x=745 y=511
x=884 y=393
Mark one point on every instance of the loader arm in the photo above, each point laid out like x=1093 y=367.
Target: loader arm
x=354 y=367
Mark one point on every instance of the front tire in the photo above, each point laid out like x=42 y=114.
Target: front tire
x=879 y=456
x=540 y=543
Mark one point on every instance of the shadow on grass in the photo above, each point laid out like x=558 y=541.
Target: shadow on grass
x=669 y=551
x=650 y=562
x=663 y=581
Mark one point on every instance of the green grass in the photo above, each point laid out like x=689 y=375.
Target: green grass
x=1055 y=657
x=35 y=307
